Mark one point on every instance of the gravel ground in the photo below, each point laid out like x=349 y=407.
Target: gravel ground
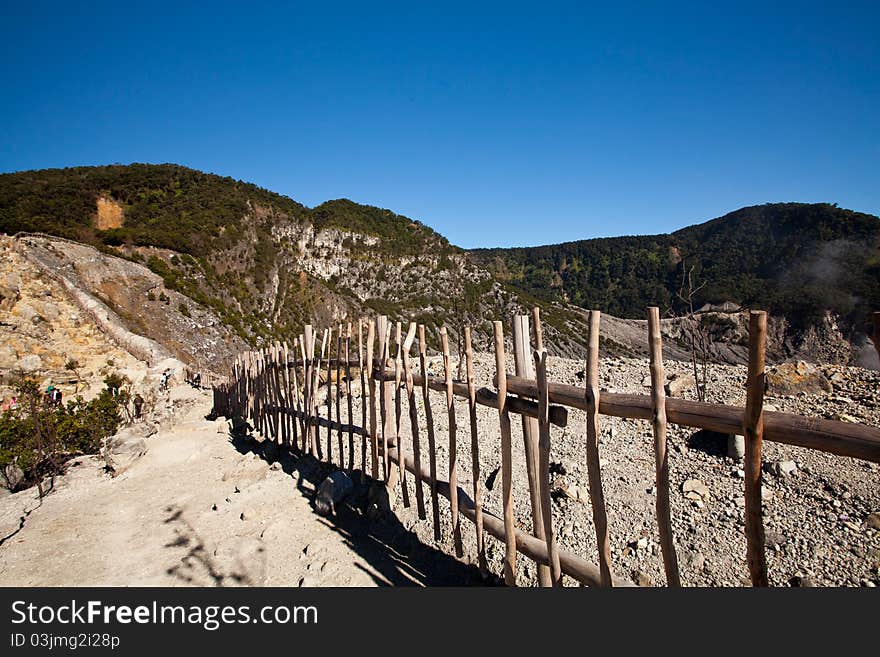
x=817 y=518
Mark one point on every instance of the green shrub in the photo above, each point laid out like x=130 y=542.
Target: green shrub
x=39 y=437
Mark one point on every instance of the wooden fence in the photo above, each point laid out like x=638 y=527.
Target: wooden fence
x=277 y=389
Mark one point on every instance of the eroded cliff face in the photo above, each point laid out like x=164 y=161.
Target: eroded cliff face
x=42 y=330
x=63 y=301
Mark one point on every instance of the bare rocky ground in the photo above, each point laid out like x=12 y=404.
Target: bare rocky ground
x=201 y=508
x=818 y=518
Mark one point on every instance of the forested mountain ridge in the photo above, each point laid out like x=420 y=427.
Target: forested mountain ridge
x=793 y=259
x=262 y=262
x=265 y=264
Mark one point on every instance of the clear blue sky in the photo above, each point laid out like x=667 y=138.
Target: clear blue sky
x=496 y=124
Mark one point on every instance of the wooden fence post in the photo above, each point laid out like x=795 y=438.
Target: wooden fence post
x=348 y=396
x=329 y=395
x=413 y=419
x=753 y=429
x=364 y=396
x=453 y=454
x=661 y=457
x=371 y=390
x=506 y=459
x=597 y=497
x=429 y=424
x=475 y=450
x=339 y=441
x=524 y=368
x=398 y=412
x=544 y=464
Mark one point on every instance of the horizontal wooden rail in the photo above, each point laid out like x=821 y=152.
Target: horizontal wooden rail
x=530 y=546
x=485 y=397
x=842 y=438
x=315 y=420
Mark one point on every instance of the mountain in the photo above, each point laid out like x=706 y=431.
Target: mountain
x=795 y=260
x=263 y=263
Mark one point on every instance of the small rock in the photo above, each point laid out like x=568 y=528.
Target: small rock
x=679 y=383
x=642 y=579
x=795 y=378
x=736 y=447
x=802 y=581
x=694 y=560
x=120 y=451
x=13 y=476
x=333 y=490
x=782 y=468
x=695 y=489
x=873 y=520
x=774 y=539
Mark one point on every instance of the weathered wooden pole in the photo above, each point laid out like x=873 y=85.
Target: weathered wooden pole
x=413 y=418
x=363 y=380
x=753 y=430
x=506 y=459
x=475 y=450
x=661 y=456
x=429 y=426
x=597 y=497
x=544 y=464
x=325 y=339
x=339 y=440
x=371 y=394
x=453 y=450
x=329 y=395
x=398 y=410
x=348 y=396
x=525 y=368
x=304 y=342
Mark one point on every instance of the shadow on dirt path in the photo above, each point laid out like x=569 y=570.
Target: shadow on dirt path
x=395 y=553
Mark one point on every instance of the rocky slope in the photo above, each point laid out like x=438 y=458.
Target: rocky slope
x=265 y=265
x=821 y=511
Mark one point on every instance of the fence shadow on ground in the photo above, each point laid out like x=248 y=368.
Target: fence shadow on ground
x=397 y=556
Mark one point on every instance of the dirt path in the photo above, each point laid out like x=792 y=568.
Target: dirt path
x=199 y=509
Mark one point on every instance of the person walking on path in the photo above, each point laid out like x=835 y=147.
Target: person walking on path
x=138 y=405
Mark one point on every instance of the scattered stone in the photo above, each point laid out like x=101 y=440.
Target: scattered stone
x=782 y=468
x=694 y=560
x=802 y=581
x=873 y=520
x=642 y=579
x=696 y=490
x=736 y=447
x=794 y=378
x=774 y=539
x=13 y=476
x=680 y=383
x=333 y=490
x=121 y=450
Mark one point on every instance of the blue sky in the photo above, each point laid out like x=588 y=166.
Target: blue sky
x=496 y=124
